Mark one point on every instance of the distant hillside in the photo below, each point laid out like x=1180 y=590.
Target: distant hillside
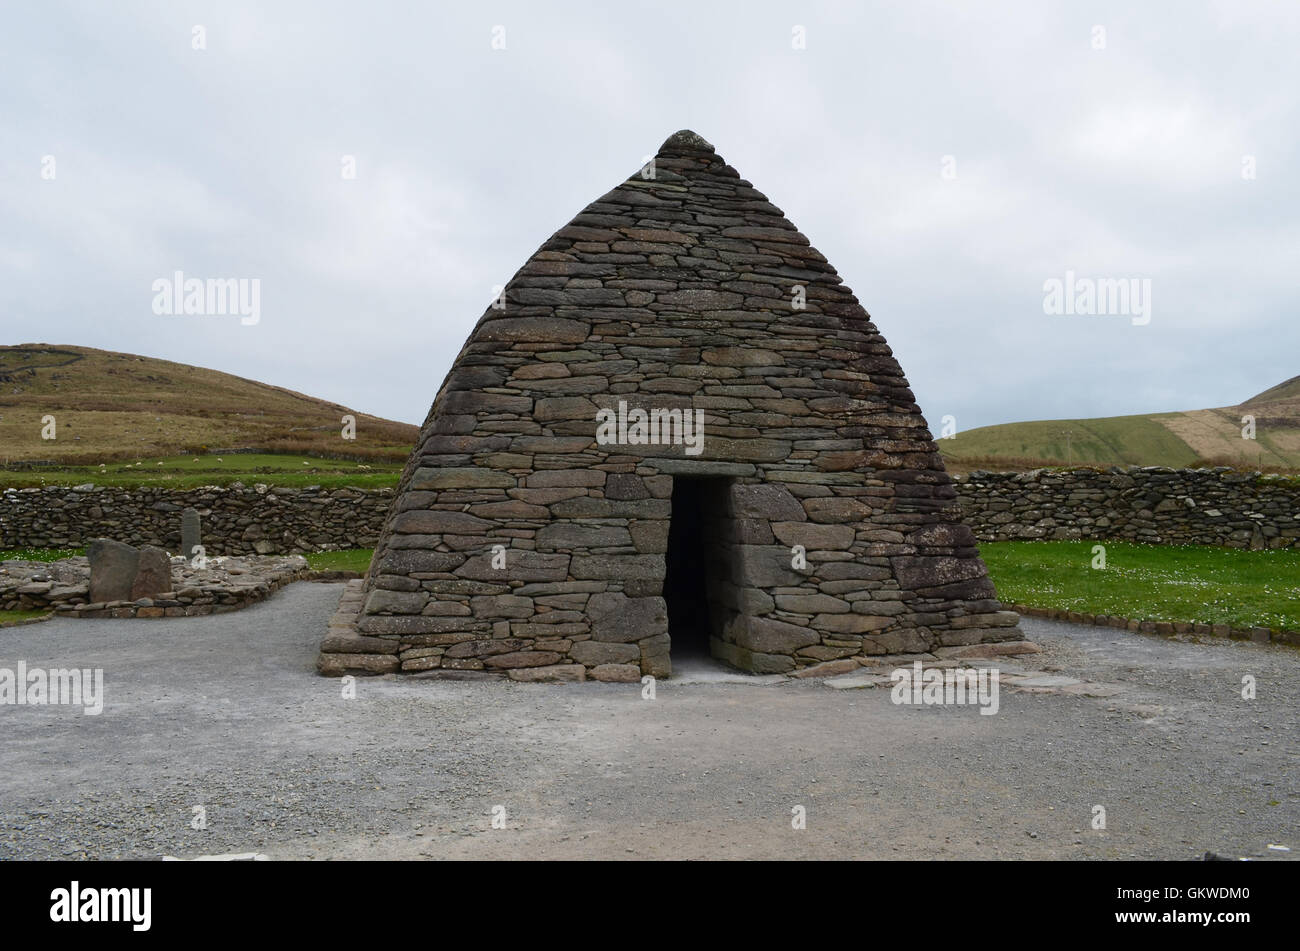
x=1289 y=390
x=1196 y=437
x=119 y=406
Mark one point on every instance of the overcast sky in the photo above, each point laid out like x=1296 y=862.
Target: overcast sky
x=1124 y=161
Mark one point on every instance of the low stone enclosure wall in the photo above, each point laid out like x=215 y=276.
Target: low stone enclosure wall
x=1152 y=504
x=1161 y=506
x=223 y=584
x=236 y=519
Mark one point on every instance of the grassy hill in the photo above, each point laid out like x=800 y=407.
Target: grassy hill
x=1206 y=437
x=123 y=408
x=186 y=472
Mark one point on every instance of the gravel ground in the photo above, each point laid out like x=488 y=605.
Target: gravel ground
x=227 y=713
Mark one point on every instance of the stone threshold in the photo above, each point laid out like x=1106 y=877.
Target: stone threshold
x=1260 y=635
x=347 y=651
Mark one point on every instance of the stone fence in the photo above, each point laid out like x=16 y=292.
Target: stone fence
x=1156 y=505
x=1151 y=504
x=235 y=519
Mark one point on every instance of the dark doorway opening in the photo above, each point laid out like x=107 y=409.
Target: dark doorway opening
x=696 y=501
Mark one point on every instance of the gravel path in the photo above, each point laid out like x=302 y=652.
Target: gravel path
x=227 y=713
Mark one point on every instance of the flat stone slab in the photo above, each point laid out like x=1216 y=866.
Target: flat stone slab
x=1044 y=680
x=857 y=681
x=1094 y=690
x=1004 y=669
x=726 y=676
x=1001 y=649
x=228 y=857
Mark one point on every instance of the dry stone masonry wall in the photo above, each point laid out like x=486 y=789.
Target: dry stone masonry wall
x=1157 y=505
x=524 y=540
x=236 y=520
x=1161 y=506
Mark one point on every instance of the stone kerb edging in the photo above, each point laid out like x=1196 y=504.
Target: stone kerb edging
x=1260 y=635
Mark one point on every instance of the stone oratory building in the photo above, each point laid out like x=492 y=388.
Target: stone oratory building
x=676 y=433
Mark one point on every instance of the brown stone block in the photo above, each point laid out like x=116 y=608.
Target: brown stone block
x=439 y=523
x=830 y=668
x=461 y=478
x=594 y=653
x=655 y=657
x=616 y=673
x=520 y=565
x=357 y=644
x=851 y=623
x=554 y=673
x=336 y=665
x=513 y=509
x=767 y=635
x=814 y=535
x=522 y=659
x=617 y=618
x=617 y=567
x=771 y=502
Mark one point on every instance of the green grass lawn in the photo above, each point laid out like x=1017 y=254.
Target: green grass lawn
x=39 y=554
x=1151 y=582
x=187 y=472
x=9 y=617
x=352 y=559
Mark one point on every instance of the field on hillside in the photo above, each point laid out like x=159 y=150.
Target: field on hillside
x=1120 y=440
x=118 y=407
x=186 y=472
x=1205 y=437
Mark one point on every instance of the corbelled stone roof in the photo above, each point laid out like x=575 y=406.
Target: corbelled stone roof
x=683 y=288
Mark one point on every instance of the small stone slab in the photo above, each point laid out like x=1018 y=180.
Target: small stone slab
x=1044 y=680
x=830 y=668
x=1094 y=690
x=190 y=537
x=1003 y=649
x=227 y=857
x=552 y=673
x=336 y=665
x=857 y=681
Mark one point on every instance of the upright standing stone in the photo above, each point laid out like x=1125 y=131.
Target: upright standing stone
x=153 y=573
x=112 y=570
x=189 y=532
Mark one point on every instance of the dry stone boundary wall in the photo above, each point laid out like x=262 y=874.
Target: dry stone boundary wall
x=1152 y=504
x=235 y=519
x=1161 y=506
